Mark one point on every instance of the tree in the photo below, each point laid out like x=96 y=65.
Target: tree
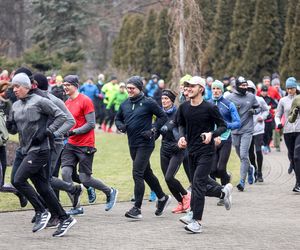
x=162 y=49
x=214 y=61
x=294 y=54
x=242 y=24
x=263 y=47
x=284 y=61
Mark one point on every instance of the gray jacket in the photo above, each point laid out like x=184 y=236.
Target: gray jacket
x=244 y=103
x=259 y=126
x=31 y=116
x=283 y=108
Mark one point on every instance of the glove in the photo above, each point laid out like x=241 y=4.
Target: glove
x=122 y=128
x=164 y=129
x=279 y=126
x=40 y=137
x=70 y=133
x=149 y=134
x=251 y=111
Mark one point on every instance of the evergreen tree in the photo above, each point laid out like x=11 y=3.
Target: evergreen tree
x=161 y=61
x=214 y=62
x=263 y=47
x=146 y=45
x=294 y=54
x=242 y=23
x=284 y=67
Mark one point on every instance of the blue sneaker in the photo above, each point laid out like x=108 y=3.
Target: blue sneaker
x=111 y=200
x=92 y=195
x=75 y=211
x=241 y=185
x=152 y=196
x=251 y=175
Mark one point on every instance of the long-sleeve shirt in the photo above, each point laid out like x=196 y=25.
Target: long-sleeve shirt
x=195 y=120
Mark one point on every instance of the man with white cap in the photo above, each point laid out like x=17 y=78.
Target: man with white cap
x=29 y=118
x=197 y=120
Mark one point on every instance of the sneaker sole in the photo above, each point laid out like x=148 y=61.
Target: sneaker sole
x=66 y=230
x=133 y=217
x=184 y=221
x=116 y=196
x=191 y=231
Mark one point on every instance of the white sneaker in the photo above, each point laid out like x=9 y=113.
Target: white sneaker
x=227 y=198
x=194 y=227
x=188 y=218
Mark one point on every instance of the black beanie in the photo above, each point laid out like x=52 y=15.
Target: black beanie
x=136 y=81
x=41 y=80
x=72 y=79
x=26 y=71
x=170 y=94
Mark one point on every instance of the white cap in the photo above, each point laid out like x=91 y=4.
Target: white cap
x=196 y=80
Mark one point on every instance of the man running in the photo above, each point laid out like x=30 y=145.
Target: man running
x=135 y=117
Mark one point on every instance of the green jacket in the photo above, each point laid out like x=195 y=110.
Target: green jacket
x=109 y=89
x=117 y=100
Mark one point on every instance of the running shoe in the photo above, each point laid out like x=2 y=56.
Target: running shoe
x=179 y=209
x=162 y=205
x=111 y=200
x=251 y=175
x=186 y=201
x=103 y=127
x=41 y=221
x=22 y=199
x=227 y=190
x=109 y=130
x=187 y=218
x=296 y=188
x=134 y=213
x=194 y=227
x=64 y=226
x=220 y=202
x=77 y=194
x=76 y=211
x=241 y=185
x=92 y=195
x=53 y=222
x=152 y=196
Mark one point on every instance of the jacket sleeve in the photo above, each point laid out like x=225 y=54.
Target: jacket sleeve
x=235 y=118
x=279 y=112
x=293 y=114
x=119 y=120
x=256 y=106
x=180 y=122
x=221 y=125
x=264 y=109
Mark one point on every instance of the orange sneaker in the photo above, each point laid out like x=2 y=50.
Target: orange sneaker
x=186 y=200
x=109 y=130
x=103 y=127
x=179 y=209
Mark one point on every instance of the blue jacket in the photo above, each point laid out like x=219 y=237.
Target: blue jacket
x=151 y=87
x=90 y=90
x=229 y=114
x=136 y=114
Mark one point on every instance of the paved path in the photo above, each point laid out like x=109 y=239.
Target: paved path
x=265 y=216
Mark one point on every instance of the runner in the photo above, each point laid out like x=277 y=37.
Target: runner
x=197 y=120
x=80 y=147
x=135 y=118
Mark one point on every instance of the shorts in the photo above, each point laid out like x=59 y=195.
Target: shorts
x=73 y=155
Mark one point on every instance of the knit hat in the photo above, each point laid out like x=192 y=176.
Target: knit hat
x=73 y=80
x=218 y=84
x=41 y=80
x=169 y=93
x=21 y=79
x=196 y=80
x=136 y=81
x=25 y=70
x=291 y=83
x=264 y=88
x=275 y=81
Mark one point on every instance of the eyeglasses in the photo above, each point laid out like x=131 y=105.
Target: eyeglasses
x=130 y=88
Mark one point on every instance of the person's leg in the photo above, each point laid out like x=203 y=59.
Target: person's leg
x=3 y=163
x=186 y=165
x=244 y=154
x=224 y=154
x=258 y=142
x=289 y=139
x=297 y=158
x=214 y=189
x=215 y=161
x=252 y=154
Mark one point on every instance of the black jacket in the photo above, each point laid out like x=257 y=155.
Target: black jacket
x=136 y=114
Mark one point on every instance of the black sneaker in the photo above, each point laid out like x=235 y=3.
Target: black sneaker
x=41 y=221
x=76 y=195
x=53 y=222
x=64 y=226
x=162 y=205
x=134 y=213
x=33 y=218
x=296 y=188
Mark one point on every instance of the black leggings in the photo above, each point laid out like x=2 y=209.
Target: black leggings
x=141 y=172
x=257 y=141
x=219 y=162
x=170 y=164
x=269 y=126
x=3 y=163
x=110 y=117
x=186 y=165
x=292 y=142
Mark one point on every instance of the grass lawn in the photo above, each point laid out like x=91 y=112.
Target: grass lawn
x=112 y=164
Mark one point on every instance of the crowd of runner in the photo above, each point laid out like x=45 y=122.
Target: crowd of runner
x=198 y=123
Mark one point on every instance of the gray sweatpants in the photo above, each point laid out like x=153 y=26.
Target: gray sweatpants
x=242 y=144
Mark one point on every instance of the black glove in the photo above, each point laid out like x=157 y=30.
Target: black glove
x=40 y=137
x=251 y=111
x=70 y=133
x=279 y=126
x=122 y=128
x=149 y=134
x=164 y=129
x=9 y=124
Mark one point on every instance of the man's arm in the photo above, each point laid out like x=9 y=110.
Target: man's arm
x=89 y=125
